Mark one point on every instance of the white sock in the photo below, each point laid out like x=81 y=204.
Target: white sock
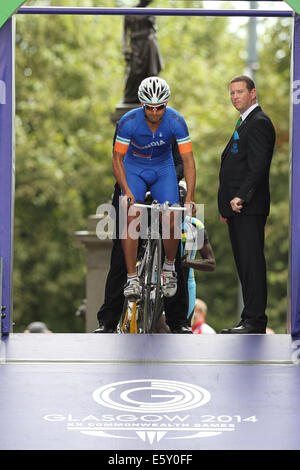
x=132 y=276
x=168 y=265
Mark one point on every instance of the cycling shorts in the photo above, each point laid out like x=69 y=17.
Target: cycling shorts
x=162 y=182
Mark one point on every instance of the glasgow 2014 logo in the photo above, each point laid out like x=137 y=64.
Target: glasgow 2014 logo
x=151 y=396
x=152 y=410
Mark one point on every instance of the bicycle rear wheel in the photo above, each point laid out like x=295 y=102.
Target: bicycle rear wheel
x=153 y=302
x=128 y=321
x=132 y=317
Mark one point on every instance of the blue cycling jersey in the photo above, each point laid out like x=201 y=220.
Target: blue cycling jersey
x=148 y=162
x=142 y=147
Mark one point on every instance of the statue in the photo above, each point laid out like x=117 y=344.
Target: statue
x=140 y=50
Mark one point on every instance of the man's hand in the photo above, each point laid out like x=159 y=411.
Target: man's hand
x=225 y=221
x=236 y=204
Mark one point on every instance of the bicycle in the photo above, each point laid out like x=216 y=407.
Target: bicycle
x=140 y=316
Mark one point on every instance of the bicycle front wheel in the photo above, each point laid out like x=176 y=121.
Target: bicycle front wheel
x=153 y=306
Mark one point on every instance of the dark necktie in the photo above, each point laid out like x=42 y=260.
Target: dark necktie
x=239 y=122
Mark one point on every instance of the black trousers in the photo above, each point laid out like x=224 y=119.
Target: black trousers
x=247 y=233
x=176 y=307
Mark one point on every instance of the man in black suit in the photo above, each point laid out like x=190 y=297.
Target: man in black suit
x=244 y=200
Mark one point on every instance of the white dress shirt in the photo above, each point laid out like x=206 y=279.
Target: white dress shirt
x=248 y=111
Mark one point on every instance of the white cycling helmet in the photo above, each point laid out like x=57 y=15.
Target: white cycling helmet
x=154 y=91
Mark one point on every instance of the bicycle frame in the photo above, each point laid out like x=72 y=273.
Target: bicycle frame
x=140 y=316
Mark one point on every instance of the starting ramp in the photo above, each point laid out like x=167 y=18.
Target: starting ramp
x=149 y=392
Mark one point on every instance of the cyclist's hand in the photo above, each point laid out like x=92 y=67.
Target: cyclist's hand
x=127 y=200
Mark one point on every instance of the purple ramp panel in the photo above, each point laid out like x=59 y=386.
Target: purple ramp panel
x=6 y=166
x=295 y=189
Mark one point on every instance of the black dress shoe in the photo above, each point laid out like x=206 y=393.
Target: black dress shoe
x=104 y=329
x=183 y=329
x=244 y=328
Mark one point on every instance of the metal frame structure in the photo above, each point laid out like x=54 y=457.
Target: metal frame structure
x=149 y=11
x=7 y=145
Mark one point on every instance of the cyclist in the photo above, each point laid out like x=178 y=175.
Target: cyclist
x=110 y=311
x=142 y=159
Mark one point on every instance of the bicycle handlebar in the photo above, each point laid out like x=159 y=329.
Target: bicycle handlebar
x=160 y=207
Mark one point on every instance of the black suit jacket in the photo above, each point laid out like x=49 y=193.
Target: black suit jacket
x=245 y=166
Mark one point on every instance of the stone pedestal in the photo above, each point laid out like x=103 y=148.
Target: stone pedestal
x=121 y=109
x=98 y=261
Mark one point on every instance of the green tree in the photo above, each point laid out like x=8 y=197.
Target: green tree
x=65 y=93
x=70 y=76
x=201 y=56
x=205 y=55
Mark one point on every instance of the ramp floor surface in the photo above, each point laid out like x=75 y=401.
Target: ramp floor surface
x=149 y=392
